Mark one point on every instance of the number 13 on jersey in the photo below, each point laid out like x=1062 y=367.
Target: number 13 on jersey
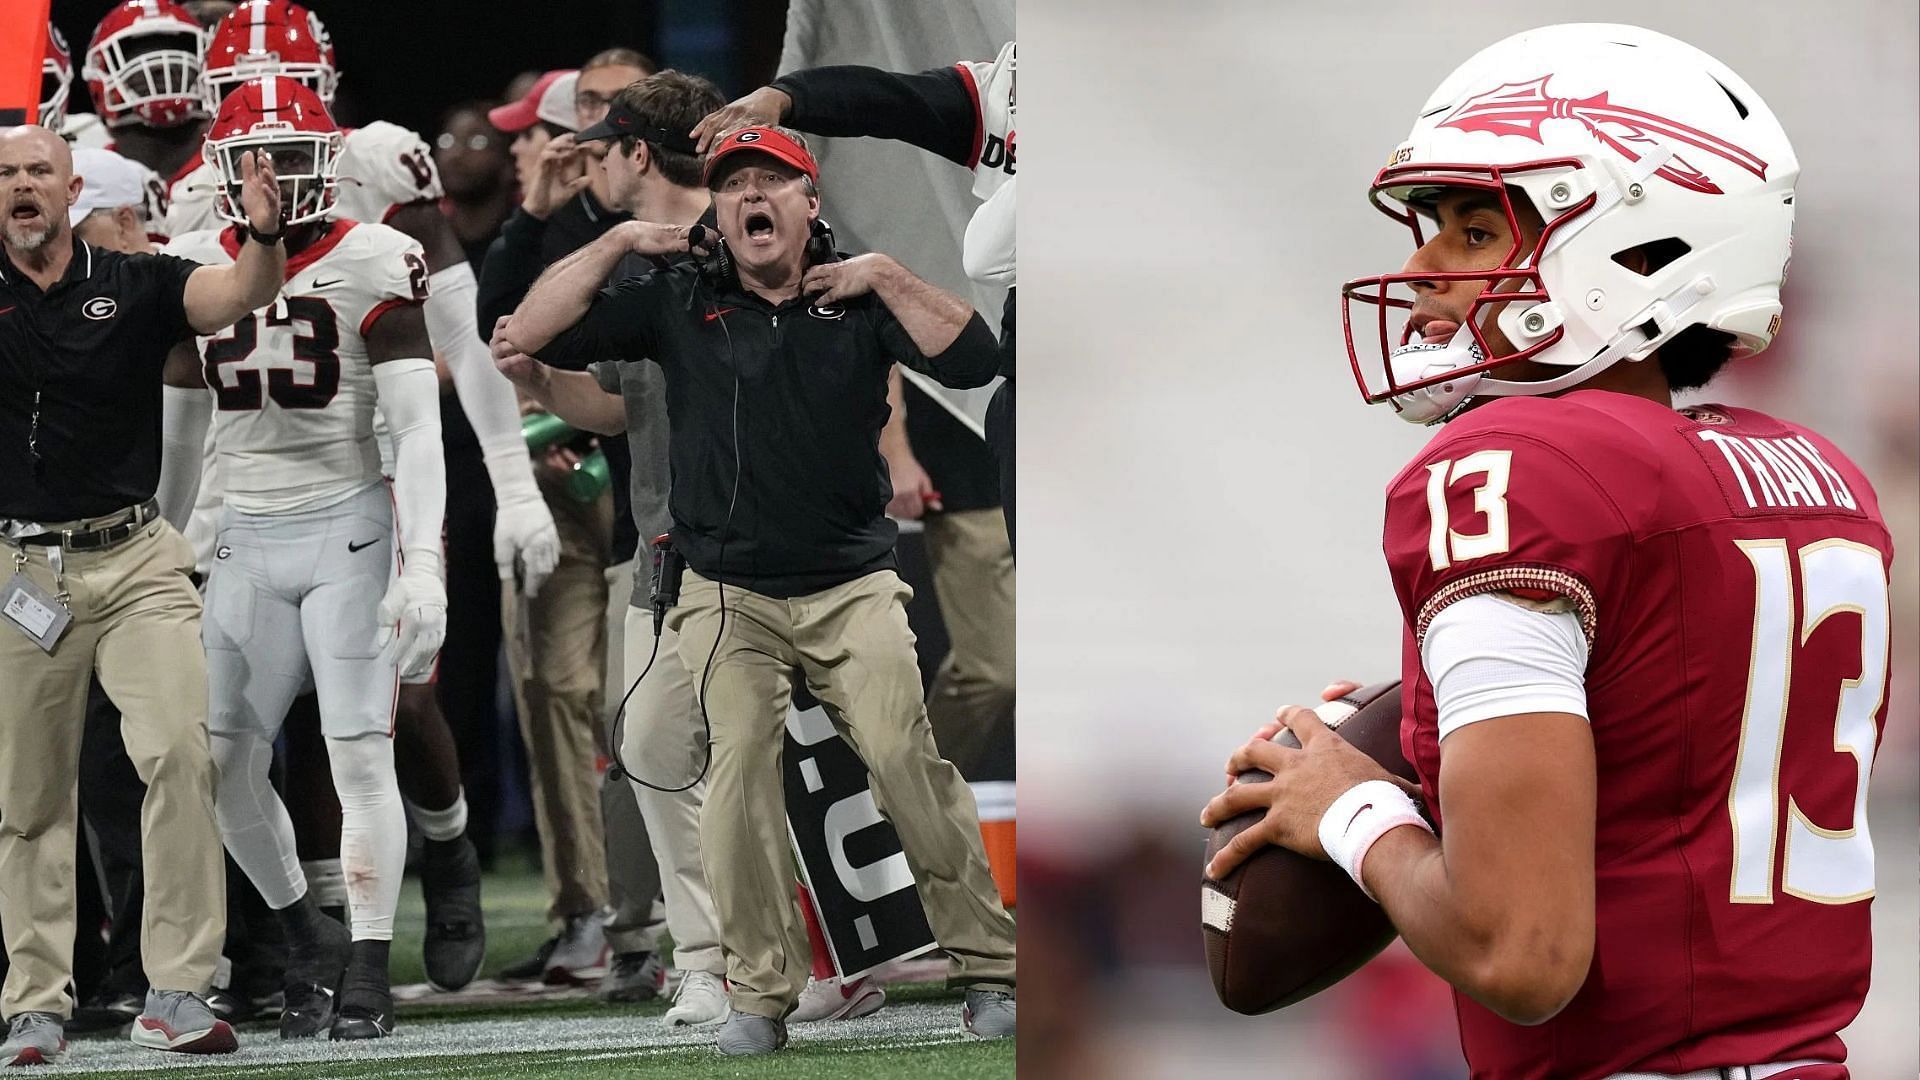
x=1830 y=865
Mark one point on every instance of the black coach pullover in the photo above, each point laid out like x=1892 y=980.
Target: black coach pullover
x=800 y=391
x=89 y=350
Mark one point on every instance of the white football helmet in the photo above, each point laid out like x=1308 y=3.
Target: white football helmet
x=1619 y=137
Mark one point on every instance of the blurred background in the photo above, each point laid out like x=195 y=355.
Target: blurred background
x=1205 y=484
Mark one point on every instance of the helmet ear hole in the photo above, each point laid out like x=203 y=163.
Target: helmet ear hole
x=1653 y=256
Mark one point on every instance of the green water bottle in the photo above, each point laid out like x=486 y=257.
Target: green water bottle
x=543 y=429
x=589 y=478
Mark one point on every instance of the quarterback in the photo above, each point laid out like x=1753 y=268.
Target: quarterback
x=1646 y=647
x=320 y=571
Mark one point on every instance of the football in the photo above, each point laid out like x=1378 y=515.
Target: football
x=1282 y=927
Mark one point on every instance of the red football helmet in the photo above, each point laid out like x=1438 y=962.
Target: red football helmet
x=143 y=65
x=287 y=121
x=269 y=37
x=56 y=76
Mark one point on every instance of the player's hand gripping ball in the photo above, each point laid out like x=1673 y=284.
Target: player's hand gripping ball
x=1281 y=927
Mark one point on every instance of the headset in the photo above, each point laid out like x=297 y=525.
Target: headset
x=718 y=269
x=715 y=270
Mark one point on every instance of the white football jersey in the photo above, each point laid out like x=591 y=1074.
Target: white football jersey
x=382 y=167
x=993 y=92
x=85 y=129
x=294 y=397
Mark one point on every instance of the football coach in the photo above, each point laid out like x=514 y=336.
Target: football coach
x=96 y=580
x=776 y=354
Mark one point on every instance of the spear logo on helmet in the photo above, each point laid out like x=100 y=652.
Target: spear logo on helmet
x=1520 y=108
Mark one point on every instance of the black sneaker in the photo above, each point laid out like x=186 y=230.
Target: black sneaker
x=105 y=1011
x=364 y=1016
x=314 y=971
x=633 y=976
x=534 y=967
x=456 y=939
x=366 y=999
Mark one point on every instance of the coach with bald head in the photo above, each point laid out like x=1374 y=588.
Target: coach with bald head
x=95 y=580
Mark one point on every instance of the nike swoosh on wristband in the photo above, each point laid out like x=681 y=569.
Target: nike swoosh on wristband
x=1355 y=817
x=351 y=546
x=712 y=315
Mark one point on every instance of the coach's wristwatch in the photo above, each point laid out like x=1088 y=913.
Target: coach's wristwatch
x=269 y=239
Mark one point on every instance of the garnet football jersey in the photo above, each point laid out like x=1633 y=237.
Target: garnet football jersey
x=382 y=167
x=1729 y=571
x=293 y=387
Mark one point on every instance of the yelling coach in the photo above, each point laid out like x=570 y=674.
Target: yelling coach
x=776 y=355
x=96 y=581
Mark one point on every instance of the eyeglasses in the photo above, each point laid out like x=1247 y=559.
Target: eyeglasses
x=592 y=99
x=448 y=140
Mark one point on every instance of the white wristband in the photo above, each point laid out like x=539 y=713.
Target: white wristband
x=1362 y=814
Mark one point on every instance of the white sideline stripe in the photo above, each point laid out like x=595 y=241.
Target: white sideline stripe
x=1216 y=909
x=610 y=1037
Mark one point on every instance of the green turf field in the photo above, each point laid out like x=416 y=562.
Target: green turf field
x=506 y=1034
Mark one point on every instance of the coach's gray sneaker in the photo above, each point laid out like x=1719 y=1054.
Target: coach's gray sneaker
x=744 y=1034
x=988 y=1014
x=181 y=1020
x=33 y=1038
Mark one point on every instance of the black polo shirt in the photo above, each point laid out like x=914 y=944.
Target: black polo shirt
x=800 y=390
x=91 y=349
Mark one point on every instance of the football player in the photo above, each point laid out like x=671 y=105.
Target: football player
x=1646 y=647
x=308 y=580
x=387 y=174
x=142 y=69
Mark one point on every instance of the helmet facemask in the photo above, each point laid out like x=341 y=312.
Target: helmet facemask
x=151 y=77
x=303 y=165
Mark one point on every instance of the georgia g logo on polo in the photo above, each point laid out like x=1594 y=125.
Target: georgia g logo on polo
x=99 y=308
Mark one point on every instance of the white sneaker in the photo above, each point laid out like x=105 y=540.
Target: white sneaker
x=700 y=1000
x=836 y=999
x=582 y=954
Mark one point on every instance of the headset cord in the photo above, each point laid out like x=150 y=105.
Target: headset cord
x=706 y=672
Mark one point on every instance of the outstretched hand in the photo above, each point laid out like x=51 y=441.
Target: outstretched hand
x=259 y=191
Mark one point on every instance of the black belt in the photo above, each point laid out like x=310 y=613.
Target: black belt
x=104 y=533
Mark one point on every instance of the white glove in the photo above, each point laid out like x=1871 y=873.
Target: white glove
x=523 y=529
x=413 y=617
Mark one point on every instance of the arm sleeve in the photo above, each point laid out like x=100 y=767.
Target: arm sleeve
x=618 y=324
x=485 y=395
x=409 y=401
x=971 y=360
x=510 y=269
x=937 y=110
x=184 y=416
x=987 y=253
x=1495 y=655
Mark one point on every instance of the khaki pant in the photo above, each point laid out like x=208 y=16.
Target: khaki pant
x=854 y=648
x=557 y=651
x=663 y=741
x=136 y=623
x=971 y=702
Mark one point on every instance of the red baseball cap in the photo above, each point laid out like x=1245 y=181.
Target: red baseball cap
x=550 y=100
x=770 y=141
